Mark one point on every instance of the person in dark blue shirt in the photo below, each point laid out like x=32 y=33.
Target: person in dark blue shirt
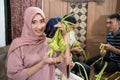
x=112 y=46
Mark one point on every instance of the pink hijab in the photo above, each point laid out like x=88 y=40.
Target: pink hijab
x=28 y=37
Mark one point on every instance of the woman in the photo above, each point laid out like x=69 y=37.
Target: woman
x=27 y=56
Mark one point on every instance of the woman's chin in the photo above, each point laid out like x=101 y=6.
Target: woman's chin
x=39 y=34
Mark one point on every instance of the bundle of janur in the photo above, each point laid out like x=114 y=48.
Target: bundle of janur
x=57 y=43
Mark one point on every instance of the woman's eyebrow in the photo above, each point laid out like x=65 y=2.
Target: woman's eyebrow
x=42 y=19
x=34 y=20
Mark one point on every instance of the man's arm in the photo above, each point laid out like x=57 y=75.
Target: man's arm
x=109 y=47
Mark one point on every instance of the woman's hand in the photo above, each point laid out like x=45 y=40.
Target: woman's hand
x=58 y=59
x=53 y=60
x=68 y=59
x=48 y=61
x=71 y=65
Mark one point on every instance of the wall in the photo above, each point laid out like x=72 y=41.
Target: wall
x=118 y=6
x=96 y=24
x=2 y=24
x=53 y=8
x=17 y=13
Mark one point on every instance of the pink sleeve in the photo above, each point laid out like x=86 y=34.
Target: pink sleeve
x=15 y=68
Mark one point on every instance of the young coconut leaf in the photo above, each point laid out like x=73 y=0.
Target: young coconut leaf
x=57 y=43
x=98 y=77
x=86 y=76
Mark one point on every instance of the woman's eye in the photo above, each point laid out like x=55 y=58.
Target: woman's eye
x=33 y=22
x=42 y=20
x=36 y=22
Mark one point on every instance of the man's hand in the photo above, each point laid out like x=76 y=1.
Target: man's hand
x=76 y=50
x=109 y=47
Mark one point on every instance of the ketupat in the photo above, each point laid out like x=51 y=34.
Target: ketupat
x=79 y=64
x=98 y=77
x=57 y=43
x=102 y=49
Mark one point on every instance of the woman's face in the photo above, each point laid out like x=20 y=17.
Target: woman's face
x=38 y=25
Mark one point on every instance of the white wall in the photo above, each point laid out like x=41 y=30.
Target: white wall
x=2 y=24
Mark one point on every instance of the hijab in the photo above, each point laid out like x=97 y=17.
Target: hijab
x=27 y=36
x=50 y=29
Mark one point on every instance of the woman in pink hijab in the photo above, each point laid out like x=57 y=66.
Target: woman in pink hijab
x=27 y=56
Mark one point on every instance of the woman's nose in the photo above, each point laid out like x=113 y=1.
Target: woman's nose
x=39 y=26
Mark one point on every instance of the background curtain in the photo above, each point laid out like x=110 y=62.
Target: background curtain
x=17 y=12
x=80 y=10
